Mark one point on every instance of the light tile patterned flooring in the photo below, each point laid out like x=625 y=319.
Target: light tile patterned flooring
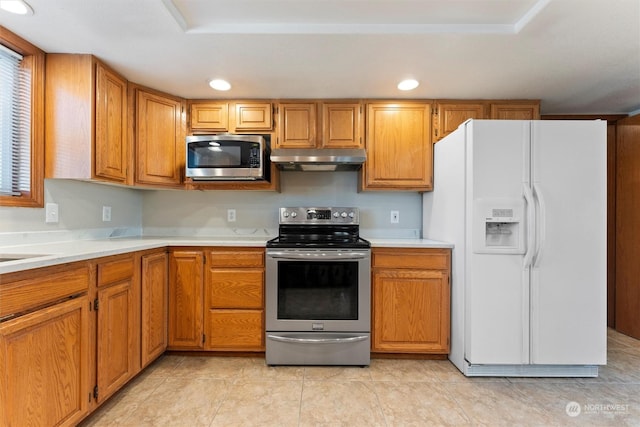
x=222 y=391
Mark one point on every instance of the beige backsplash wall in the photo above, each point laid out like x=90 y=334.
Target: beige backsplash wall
x=204 y=212
x=169 y=212
x=79 y=207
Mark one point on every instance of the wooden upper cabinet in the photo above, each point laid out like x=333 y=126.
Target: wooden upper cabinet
x=210 y=116
x=399 y=149
x=111 y=125
x=252 y=116
x=235 y=116
x=85 y=120
x=515 y=110
x=297 y=125
x=342 y=125
x=159 y=138
x=449 y=115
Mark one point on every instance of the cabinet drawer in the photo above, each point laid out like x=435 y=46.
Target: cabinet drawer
x=35 y=289
x=236 y=258
x=115 y=271
x=235 y=330
x=438 y=259
x=229 y=288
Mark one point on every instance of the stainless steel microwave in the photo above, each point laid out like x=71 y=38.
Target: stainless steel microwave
x=228 y=157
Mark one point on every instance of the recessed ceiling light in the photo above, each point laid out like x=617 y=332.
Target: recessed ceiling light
x=219 y=84
x=18 y=7
x=408 y=84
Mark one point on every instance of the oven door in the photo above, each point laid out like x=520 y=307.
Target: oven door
x=318 y=290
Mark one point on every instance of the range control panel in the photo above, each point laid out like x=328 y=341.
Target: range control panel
x=319 y=215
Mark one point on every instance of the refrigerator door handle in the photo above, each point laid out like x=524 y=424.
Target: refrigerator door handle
x=540 y=224
x=528 y=197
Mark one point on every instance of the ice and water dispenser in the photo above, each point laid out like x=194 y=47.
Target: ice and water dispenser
x=499 y=226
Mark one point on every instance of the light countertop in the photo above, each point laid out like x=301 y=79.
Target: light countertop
x=53 y=253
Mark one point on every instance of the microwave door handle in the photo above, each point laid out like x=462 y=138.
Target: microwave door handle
x=308 y=256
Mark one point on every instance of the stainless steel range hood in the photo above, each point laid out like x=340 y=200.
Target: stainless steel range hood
x=319 y=159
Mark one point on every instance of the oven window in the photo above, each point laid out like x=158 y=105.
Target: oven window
x=318 y=290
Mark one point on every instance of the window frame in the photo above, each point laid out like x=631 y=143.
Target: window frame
x=34 y=58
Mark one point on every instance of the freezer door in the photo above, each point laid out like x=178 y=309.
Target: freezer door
x=497 y=285
x=568 y=278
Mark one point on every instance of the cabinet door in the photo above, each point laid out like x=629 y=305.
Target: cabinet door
x=251 y=116
x=159 y=136
x=297 y=125
x=235 y=330
x=411 y=311
x=155 y=299
x=116 y=358
x=111 y=147
x=515 y=111
x=186 y=280
x=44 y=362
x=399 y=149
x=210 y=116
x=342 y=125
x=451 y=115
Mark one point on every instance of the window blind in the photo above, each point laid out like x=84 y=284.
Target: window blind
x=15 y=124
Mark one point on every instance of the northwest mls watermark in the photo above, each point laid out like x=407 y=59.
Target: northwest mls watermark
x=574 y=409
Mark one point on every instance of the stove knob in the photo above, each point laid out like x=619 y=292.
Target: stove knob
x=352 y=215
x=285 y=214
x=336 y=214
x=343 y=214
x=294 y=214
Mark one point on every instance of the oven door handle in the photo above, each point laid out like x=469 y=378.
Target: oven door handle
x=315 y=257
x=317 y=340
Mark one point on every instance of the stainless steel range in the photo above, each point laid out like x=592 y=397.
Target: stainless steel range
x=318 y=289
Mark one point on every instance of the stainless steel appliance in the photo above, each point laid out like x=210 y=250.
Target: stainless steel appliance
x=228 y=157
x=319 y=159
x=318 y=289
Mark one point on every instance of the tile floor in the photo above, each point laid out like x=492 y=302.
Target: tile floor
x=222 y=391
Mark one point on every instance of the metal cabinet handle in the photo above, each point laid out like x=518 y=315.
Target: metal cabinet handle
x=317 y=340
x=308 y=256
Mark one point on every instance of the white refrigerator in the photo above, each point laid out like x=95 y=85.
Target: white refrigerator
x=524 y=203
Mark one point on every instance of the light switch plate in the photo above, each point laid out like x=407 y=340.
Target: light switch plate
x=51 y=213
x=106 y=213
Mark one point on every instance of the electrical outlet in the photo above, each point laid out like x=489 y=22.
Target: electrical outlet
x=106 y=213
x=395 y=217
x=231 y=215
x=51 y=213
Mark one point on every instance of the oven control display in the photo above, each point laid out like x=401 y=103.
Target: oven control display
x=319 y=214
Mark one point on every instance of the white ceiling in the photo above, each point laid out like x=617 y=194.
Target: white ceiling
x=578 y=56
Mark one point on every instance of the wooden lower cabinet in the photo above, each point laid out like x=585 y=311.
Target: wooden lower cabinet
x=235 y=299
x=118 y=325
x=186 y=274
x=44 y=360
x=45 y=354
x=411 y=300
x=76 y=338
x=154 y=289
